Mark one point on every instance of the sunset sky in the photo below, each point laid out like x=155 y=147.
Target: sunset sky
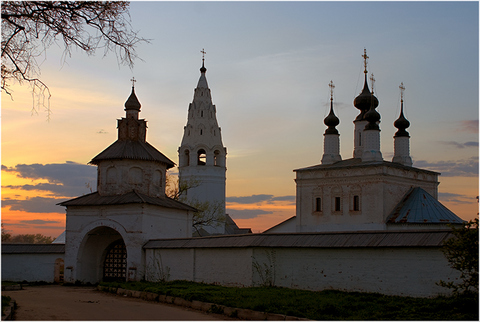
x=268 y=67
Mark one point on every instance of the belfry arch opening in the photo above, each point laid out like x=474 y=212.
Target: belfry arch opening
x=102 y=250
x=201 y=157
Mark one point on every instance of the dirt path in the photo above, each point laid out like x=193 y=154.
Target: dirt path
x=54 y=302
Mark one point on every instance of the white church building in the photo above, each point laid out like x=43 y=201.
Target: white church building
x=361 y=224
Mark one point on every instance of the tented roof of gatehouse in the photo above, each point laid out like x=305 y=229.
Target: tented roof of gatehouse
x=419 y=207
x=133 y=197
x=132 y=150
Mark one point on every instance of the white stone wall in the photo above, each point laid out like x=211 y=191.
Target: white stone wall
x=225 y=266
x=399 y=271
x=379 y=189
x=392 y=271
x=121 y=176
x=134 y=223
x=29 y=267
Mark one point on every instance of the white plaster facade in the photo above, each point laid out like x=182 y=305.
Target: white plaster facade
x=353 y=195
x=90 y=230
x=121 y=176
x=202 y=156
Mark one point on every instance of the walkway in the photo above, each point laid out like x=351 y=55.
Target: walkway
x=54 y=302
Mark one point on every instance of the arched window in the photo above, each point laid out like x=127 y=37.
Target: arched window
x=338 y=204
x=186 y=158
x=356 y=203
x=135 y=175
x=157 y=178
x=318 y=204
x=216 y=158
x=111 y=175
x=201 y=157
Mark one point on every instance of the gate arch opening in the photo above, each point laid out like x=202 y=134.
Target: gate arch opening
x=98 y=245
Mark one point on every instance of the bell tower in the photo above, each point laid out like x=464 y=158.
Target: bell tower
x=202 y=157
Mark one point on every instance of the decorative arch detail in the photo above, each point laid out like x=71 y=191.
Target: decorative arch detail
x=135 y=175
x=111 y=175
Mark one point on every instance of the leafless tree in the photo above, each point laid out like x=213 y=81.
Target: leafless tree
x=29 y=28
x=209 y=214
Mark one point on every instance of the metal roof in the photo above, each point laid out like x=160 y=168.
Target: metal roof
x=33 y=248
x=357 y=162
x=133 y=197
x=279 y=224
x=405 y=238
x=418 y=206
x=133 y=150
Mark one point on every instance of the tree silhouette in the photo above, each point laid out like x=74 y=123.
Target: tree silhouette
x=29 y=28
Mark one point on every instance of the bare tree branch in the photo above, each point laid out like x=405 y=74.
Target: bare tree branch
x=29 y=28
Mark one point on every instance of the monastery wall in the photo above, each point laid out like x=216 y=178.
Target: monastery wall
x=225 y=266
x=29 y=267
x=390 y=271
x=411 y=271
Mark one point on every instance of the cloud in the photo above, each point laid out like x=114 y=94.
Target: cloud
x=470 y=126
x=253 y=199
x=249 y=199
x=454 y=197
x=64 y=179
x=34 y=204
x=460 y=145
x=247 y=213
x=459 y=168
x=284 y=198
x=39 y=222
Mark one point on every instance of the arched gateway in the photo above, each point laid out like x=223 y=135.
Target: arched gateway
x=102 y=256
x=107 y=229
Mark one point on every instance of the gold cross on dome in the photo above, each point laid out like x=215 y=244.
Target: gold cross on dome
x=133 y=80
x=372 y=80
x=365 y=57
x=331 y=89
x=203 y=53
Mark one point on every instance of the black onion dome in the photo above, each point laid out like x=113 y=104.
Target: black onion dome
x=132 y=102
x=372 y=116
x=364 y=101
x=331 y=121
x=401 y=124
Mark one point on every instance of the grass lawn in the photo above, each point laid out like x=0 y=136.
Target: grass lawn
x=323 y=305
